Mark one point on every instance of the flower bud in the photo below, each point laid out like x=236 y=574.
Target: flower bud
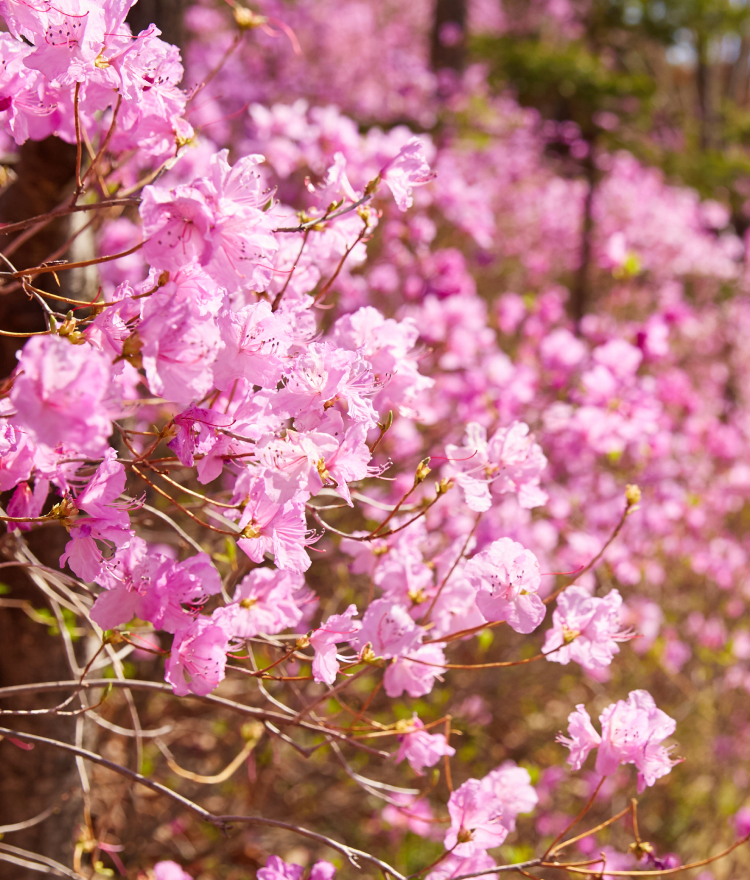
x=423 y=471
x=632 y=494
x=246 y=19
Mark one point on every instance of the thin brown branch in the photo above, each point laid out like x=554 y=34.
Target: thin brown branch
x=222 y=822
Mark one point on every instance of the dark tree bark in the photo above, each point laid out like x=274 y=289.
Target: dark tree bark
x=167 y=15
x=32 y=781
x=450 y=52
x=45 y=174
x=581 y=293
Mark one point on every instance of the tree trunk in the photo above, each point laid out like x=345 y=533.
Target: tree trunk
x=448 y=49
x=581 y=292
x=45 y=173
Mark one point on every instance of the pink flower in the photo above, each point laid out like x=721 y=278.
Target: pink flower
x=99 y=495
x=265 y=601
x=407 y=169
x=254 y=343
x=422 y=749
x=179 y=346
x=742 y=822
x=483 y=812
x=83 y=554
x=632 y=731
x=415 y=673
x=176 y=225
x=322 y=870
x=582 y=737
x=278 y=869
x=16 y=455
x=476 y=820
x=141 y=583
x=198 y=658
x=506 y=577
x=411 y=813
x=585 y=629
x=59 y=395
x=456 y=866
x=389 y=629
x=509 y=462
x=196 y=432
x=274 y=528
x=323 y=376
x=512 y=787
x=25 y=502
x=169 y=870
x=338 y=628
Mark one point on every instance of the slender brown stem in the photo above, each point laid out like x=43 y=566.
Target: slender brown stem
x=61 y=211
x=223 y=822
x=79 y=143
x=599 y=827
x=446 y=758
x=451 y=570
x=553 y=846
x=658 y=872
x=105 y=142
x=81 y=264
x=180 y=507
x=277 y=299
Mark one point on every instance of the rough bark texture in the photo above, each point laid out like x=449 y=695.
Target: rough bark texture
x=167 y=15
x=45 y=171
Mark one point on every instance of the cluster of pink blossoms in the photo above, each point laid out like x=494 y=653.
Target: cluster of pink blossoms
x=215 y=333
x=632 y=733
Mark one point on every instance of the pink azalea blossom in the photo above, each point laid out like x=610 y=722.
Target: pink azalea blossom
x=168 y=870
x=175 y=226
x=389 y=629
x=83 y=554
x=338 y=628
x=410 y=813
x=196 y=432
x=101 y=492
x=456 y=866
x=506 y=577
x=632 y=732
x=586 y=629
x=278 y=869
x=60 y=394
x=422 y=749
x=415 y=673
x=179 y=345
x=141 y=583
x=27 y=502
x=274 y=528
x=582 y=737
x=265 y=601
x=510 y=461
x=198 y=658
x=476 y=820
x=407 y=169
x=511 y=785
x=254 y=344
